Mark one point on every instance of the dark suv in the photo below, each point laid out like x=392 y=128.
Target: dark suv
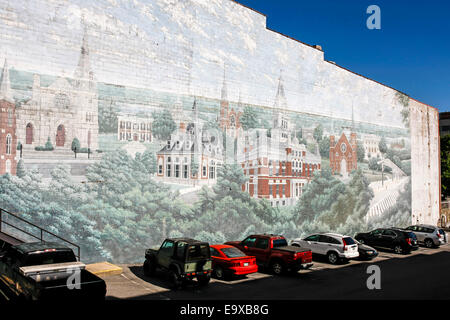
x=400 y=240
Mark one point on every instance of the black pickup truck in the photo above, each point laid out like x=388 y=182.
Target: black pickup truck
x=182 y=258
x=47 y=271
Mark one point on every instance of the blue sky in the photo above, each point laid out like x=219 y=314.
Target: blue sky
x=410 y=53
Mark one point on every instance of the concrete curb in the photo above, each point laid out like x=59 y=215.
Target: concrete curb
x=104 y=269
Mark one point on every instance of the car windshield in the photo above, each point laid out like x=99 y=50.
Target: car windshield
x=198 y=252
x=233 y=252
x=348 y=241
x=279 y=243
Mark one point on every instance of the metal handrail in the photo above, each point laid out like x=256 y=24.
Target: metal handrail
x=42 y=231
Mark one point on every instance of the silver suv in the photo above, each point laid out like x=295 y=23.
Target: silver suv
x=428 y=235
x=334 y=246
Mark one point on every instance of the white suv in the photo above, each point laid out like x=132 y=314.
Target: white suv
x=334 y=246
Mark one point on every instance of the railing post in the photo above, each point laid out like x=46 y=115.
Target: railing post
x=41 y=235
x=1 y=214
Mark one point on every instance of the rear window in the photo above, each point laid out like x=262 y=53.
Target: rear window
x=279 y=243
x=348 y=241
x=40 y=258
x=233 y=252
x=198 y=252
x=441 y=231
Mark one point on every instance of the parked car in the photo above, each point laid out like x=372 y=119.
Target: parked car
x=182 y=259
x=41 y=271
x=229 y=261
x=366 y=252
x=335 y=247
x=428 y=235
x=400 y=240
x=273 y=252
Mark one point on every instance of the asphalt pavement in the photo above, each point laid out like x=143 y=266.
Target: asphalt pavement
x=423 y=274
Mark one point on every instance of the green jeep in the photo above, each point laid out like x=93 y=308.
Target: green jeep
x=183 y=258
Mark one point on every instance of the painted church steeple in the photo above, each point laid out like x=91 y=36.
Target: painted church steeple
x=5 y=84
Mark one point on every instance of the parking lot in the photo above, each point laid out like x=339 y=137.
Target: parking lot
x=423 y=274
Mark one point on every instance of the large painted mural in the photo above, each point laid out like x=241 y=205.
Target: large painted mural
x=117 y=155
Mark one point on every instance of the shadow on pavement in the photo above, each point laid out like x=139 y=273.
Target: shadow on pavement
x=419 y=276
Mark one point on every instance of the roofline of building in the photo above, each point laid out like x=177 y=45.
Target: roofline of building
x=319 y=49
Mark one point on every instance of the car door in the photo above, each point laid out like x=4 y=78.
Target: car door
x=388 y=238
x=312 y=243
x=375 y=238
x=248 y=244
x=261 y=249
x=165 y=253
x=323 y=245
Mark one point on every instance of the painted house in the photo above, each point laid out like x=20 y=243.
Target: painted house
x=134 y=128
x=192 y=155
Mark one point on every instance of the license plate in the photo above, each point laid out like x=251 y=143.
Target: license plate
x=245 y=264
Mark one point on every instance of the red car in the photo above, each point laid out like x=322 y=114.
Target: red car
x=228 y=261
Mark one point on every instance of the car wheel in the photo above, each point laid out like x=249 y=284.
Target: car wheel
x=149 y=268
x=295 y=245
x=203 y=280
x=175 y=279
x=429 y=243
x=277 y=267
x=219 y=273
x=398 y=249
x=333 y=258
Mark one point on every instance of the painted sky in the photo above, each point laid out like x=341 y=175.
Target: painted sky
x=411 y=52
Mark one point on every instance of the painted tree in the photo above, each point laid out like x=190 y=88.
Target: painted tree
x=48 y=145
x=249 y=118
x=318 y=132
x=76 y=146
x=324 y=147
x=21 y=171
x=360 y=152
x=163 y=125
x=382 y=146
x=318 y=196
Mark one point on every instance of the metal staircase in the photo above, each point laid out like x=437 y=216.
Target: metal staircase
x=15 y=230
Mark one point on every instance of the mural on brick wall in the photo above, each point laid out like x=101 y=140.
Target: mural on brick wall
x=105 y=166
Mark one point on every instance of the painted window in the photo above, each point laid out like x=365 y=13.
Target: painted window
x=8 y=144
x=185 y=171
x=10 y=117
x=8 y=166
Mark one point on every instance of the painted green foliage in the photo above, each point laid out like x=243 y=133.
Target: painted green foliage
x=163 y=124
x=445 y=165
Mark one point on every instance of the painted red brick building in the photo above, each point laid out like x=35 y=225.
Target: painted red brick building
x=277 y=165
x=343 y=157
x=8 y=139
